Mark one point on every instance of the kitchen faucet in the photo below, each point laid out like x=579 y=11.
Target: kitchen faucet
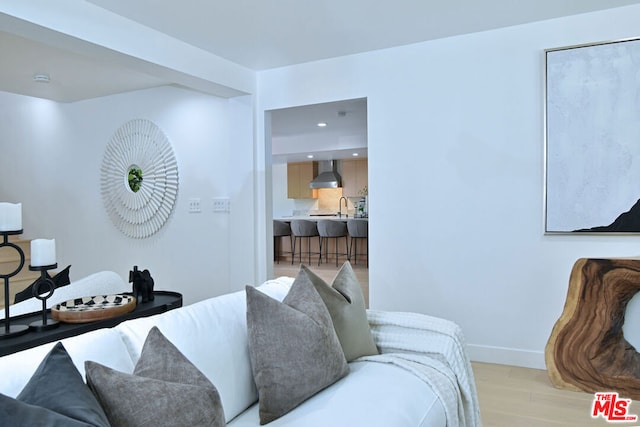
x=340 y=207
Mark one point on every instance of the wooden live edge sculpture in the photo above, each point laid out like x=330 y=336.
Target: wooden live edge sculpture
x=587 y=350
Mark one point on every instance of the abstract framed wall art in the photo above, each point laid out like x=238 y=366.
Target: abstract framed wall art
x=592 y=138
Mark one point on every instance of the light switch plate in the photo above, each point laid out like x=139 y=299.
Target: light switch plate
x=194 y=205
x=221 y=204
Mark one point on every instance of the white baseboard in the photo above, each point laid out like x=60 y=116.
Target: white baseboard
x=506 y=356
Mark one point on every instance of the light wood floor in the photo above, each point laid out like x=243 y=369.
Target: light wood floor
x=519 y=397
x=509 y=396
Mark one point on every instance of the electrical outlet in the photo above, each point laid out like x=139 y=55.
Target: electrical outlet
x=221 y=204
x=194 y=205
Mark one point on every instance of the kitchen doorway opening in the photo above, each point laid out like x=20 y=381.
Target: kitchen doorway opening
x=304 y=142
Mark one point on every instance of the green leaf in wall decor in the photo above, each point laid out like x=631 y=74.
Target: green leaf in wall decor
x=135 y=179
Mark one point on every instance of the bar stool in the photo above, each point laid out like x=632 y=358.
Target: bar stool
x=358 y=230
x=301 y=228
x=329 y=229
x=280 y=229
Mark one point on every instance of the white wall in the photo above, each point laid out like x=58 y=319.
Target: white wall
x=51 y=157
x=458 y=124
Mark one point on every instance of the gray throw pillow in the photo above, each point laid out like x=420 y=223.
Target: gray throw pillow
x=54 y=396
x=165 y=389
x=15 y=413
x=293 y=348
x=345 y=303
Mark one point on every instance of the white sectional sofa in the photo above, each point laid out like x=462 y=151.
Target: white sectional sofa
x=212 y=334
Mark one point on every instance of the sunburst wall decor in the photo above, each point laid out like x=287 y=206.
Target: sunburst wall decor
x=139 y=178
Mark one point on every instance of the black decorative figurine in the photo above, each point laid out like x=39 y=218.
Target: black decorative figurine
x=142 y=284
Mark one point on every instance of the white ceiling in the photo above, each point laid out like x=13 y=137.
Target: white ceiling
x=276 y=33
x=263 y=34
x=295 y=132
x=260 y=35
x=72 y=76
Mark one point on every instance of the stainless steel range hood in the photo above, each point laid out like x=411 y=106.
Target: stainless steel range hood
x=328 y=176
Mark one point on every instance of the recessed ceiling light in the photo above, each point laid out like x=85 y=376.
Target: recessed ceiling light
x=309 y=156
x=355 y=154
x=41 y=78
x=322 y=124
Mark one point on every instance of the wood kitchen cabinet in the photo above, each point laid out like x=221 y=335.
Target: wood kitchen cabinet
x=355 y=176
x=299 y=175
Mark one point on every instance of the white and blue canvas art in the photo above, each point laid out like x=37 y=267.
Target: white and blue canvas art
x=593 y=138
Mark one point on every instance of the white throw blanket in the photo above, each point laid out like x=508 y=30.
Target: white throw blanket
x=433 y=349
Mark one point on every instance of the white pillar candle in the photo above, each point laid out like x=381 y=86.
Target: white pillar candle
x=43 y=252
x=10 y=216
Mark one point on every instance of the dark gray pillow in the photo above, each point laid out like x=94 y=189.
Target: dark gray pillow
x=164 y=389
x=345 y=303
x=17 y=414
x=293 y=348
x=54 y=396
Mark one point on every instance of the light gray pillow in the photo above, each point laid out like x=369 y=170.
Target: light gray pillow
x=293 y=348
x=164 y=389
x=345 y=303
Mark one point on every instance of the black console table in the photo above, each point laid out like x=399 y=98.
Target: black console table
x=163 y=301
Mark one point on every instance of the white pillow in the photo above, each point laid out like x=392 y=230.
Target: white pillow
x=212 y=334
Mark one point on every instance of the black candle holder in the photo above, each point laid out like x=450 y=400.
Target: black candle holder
x=43 y=290
x=11 y=330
